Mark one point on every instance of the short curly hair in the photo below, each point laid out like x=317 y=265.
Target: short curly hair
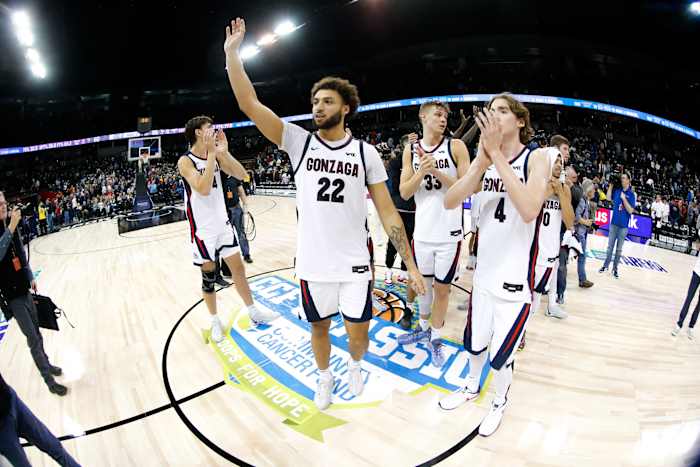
x=345 y=88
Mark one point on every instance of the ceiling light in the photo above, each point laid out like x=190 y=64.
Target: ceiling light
x=267 y=39
x=33 y=56
x=284 y=28
x=249 y=51
x=38 y=70
x=21 y=20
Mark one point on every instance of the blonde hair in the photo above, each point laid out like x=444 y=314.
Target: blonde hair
x=426 y=105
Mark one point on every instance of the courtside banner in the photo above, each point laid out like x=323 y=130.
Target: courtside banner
x=639 y=224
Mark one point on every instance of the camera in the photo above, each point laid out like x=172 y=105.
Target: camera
x=614 y=177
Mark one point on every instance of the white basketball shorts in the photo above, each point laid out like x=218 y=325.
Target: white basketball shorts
x=321 y=300
x=439 y=260
x=495 y=325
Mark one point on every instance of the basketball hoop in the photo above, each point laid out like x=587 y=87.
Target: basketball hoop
x=144 y=155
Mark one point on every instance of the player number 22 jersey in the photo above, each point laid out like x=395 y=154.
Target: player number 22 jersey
x=331 y=180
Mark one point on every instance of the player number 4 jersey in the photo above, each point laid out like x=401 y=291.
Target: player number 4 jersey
x=508 y=246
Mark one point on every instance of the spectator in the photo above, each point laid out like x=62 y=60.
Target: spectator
x=42 y=219
x=583 y=221
x=16 y=279
x=624 y=201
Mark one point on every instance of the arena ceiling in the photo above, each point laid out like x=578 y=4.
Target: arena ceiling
x=100 y=46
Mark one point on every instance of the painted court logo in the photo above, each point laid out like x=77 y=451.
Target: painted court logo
x=629 y=261
x=276 y=364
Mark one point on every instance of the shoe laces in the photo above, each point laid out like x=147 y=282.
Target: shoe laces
x=437 y=347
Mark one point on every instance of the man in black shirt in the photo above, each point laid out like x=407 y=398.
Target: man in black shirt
x=407 y=211
x=16 y=278
x=237 y=205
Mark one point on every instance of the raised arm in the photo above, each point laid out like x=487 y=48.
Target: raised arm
x=464 y=121
x=265 y=119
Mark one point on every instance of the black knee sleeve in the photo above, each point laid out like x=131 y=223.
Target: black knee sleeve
x=208 y=281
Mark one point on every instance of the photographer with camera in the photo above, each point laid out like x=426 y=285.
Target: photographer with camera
x=16 y=278
x=624 y=200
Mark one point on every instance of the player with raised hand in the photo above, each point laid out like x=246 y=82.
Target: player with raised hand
x=333 y=172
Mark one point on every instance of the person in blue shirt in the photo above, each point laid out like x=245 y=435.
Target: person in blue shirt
x=624 y=200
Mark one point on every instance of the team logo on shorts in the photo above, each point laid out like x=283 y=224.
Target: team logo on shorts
x=275 y=362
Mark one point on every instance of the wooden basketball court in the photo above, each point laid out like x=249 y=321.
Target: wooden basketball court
x=608 y=386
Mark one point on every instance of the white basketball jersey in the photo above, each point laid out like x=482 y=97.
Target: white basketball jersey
x=550 y=230
x=206 y=214
x=507 y=244
x=331 y=200
x=434 y=223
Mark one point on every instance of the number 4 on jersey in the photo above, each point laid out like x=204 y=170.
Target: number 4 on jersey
x=499 y=214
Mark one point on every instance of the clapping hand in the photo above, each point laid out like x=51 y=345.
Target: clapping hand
x=221 y=142
x=491 y=132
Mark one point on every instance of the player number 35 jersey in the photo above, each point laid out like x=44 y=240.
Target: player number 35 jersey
x=434 y=223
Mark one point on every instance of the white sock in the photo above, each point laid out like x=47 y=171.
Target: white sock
x=502 y=379
x=325 y=374
x=425 y=302
x=215 y=319
x=353 y=363
x=536 y=299
x=552 y=293
x=476 y=365
x=424 y=325
x=434 y=333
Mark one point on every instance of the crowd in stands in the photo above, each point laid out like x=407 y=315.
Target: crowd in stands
x=87 y=189
x=83 y=188
x=611 y=148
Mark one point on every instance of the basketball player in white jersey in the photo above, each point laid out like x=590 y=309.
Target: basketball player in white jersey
x=557 y=209
x=211 y=233
x=430 y=168
x=513 y=183
x=333 y=172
